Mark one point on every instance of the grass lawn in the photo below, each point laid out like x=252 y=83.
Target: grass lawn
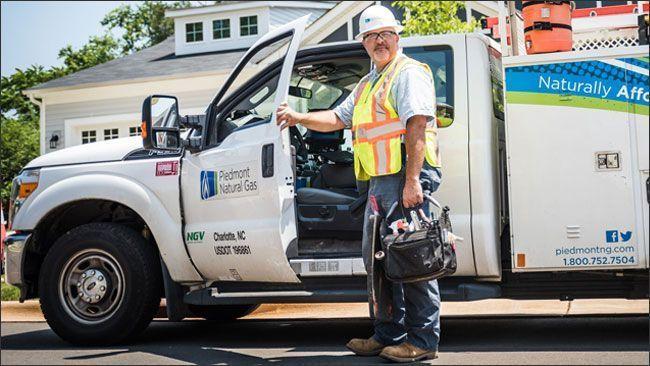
x=9 y=293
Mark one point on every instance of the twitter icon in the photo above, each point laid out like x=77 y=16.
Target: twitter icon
x=625 y=236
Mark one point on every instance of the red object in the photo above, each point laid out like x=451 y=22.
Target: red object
x=547 y=26
x=373 y=204
x=608 y=10
x=497 y=35
x=164 y=168
x=492 y=23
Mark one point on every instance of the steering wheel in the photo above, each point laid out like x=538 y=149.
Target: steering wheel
x=298 y=141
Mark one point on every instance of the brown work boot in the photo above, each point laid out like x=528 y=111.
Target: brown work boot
x=365 y=347
x=407 y=352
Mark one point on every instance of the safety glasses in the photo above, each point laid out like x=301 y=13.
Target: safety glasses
x=372 y=37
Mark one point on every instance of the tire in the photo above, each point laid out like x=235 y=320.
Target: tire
x=115 y=269
x=222 y=313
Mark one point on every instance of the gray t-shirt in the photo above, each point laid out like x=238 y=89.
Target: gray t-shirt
x=412 y=94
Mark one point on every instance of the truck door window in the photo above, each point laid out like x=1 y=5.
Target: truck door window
x=307 y=95
x=441 y=61
x=256 y=107
x=496 y=75
x=248 y=70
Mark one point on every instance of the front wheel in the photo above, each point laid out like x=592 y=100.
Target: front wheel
x=100 y=284
x=222 y=313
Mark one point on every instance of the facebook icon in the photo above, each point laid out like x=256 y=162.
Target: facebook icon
x=611 y=236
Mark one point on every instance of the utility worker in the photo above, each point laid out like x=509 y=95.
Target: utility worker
x=391 y=111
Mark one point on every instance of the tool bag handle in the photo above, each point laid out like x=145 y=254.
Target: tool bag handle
x=426 y=196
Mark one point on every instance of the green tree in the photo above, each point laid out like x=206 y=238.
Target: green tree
x=12 y=101
x=20 y=117
x=144 y=24
x=97 y=51
x=18 y=145
x=434 y=17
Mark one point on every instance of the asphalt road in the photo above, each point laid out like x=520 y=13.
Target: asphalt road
x=515 y=340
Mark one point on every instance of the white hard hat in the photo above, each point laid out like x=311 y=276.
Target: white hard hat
x=376 y=17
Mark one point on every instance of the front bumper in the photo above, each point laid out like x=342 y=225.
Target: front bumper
x=14 y=251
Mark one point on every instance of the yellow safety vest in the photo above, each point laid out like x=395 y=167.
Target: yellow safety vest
x=377 y=130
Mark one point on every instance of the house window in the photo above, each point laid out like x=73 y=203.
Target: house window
x=248 y=26
x=111 y=133
x=221 y=28
x=135 y=131
x=194 y=32
x=88 y=137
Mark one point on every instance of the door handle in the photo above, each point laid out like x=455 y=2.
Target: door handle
x=267 y=160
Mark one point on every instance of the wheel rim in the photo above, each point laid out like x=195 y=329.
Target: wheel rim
x=91 y=286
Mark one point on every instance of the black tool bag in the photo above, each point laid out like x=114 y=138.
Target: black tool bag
x=421 y=255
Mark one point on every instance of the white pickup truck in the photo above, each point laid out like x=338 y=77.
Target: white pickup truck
x=220 y=212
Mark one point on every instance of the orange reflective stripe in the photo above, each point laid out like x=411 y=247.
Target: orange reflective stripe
x=387 y=152
x=374 y=131
x=388 y=136
x=371 y=124
x=378 y=112
x=388 y=80
x=381 y=160
x=376 y=158
x=359 y=91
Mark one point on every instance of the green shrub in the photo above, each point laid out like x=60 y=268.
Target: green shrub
x=9 y=293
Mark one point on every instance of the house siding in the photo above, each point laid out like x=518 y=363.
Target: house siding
x=57 y=114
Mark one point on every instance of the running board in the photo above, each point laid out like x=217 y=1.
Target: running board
x=331 y=289
x=211 y=296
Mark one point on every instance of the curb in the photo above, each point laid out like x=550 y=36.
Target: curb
x=30 y=311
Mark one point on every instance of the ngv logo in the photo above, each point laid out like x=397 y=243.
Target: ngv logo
x=614 y=236
x=208 y=185
x=195 y=236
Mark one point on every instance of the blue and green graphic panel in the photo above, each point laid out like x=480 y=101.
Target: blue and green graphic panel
x=616 y=84
x=209 y=184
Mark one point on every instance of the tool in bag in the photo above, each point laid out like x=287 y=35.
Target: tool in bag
x=375 y=271
x=420 y=251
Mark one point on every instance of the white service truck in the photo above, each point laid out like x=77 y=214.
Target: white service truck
x=545 y=168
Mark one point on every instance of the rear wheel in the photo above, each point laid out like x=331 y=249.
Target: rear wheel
x=222 y=313
x=100 y=284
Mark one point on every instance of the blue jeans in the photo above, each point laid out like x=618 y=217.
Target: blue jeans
x=411 y=311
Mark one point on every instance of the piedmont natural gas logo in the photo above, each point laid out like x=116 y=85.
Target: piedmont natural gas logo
x=234 y=181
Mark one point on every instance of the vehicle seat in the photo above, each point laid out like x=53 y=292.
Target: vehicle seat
x=325 y=214
x=315 y=196
x=338 y=174
x=337 y=178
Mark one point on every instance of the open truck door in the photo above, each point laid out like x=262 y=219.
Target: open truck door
x=238 y=191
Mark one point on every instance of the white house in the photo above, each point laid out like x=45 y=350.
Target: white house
x=104 y=102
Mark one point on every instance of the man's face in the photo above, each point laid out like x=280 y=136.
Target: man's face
x=381 y=45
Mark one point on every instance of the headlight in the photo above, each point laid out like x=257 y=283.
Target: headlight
x=22 y=186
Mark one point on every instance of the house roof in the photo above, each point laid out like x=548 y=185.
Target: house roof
x=158 y=60
x=241 y=5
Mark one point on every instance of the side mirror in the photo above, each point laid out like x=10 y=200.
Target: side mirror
x=299 y=92
x=161 y=123
x=444 y=115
